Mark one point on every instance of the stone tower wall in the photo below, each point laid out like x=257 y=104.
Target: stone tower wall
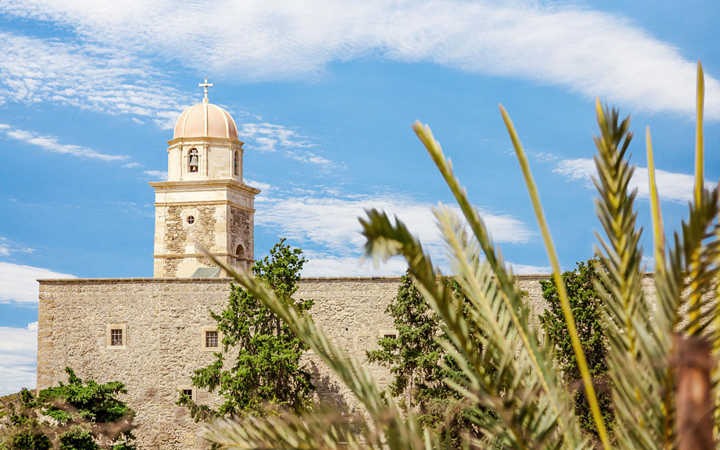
x=164 y=321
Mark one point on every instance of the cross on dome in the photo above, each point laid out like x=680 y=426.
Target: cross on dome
x=205 y=87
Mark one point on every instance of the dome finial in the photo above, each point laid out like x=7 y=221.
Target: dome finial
x=205 y=86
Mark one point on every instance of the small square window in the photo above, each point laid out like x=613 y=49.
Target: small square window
x=211 y=339
x=187 y=392
x=116 y=336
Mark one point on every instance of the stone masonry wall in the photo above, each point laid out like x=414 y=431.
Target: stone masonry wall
x=165 y=319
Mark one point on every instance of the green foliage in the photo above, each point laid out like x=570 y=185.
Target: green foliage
x=586 y=307
x=77 y=439
x=77 y=415
x=413 y=355
x=92 y=401
x=27 y=440
x=512 y=373
x=420 y=364
x=264 y=372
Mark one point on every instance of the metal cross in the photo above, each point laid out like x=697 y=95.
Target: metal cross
x=205 y=85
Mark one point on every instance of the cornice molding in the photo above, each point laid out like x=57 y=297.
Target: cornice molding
x=198 y=255
x=185 y=184
x=206 y=203
x=203 y=140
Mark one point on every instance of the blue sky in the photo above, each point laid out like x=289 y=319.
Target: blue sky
x=324 y=94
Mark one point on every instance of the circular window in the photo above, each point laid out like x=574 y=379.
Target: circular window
x=191 y=219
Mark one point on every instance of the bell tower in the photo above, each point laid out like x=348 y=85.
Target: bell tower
x=204 y=201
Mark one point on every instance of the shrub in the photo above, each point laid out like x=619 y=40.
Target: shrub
x=77 y=415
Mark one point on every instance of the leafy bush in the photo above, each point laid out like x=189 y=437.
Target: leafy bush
x=77 y=439
x=77 y=415
x=512 y=374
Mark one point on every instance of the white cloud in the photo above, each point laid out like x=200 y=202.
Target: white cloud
x=18 y=358
x=264 y=187
x=111 y=80
x=672 y=186
x=18 y=283
x=7 y=247
x=161 y=174
x=51 y=144
x=332 y=221
x=526 y=269
x=587 y=51
x=85 y=76
x=132 y=165
x=327 y=220
x=351 y=266
x=270 y=137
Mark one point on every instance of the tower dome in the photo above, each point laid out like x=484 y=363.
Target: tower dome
x=205 y=120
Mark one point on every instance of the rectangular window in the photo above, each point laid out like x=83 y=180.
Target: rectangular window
x=116 y=336
x=211 y=339
x=389 y=336
x=187 y=392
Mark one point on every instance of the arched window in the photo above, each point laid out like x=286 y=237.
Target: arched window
x=193 y=160
x=236 y=163
x=240 y=252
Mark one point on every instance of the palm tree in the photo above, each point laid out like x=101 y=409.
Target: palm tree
x=516 y=395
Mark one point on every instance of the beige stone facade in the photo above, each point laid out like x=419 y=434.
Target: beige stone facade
x=164 y=321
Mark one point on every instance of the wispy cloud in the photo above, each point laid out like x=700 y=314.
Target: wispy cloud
x=8 y=247
x=159 y=174
x=672 y=186
x=332 y=221
x=18 y=283
x=559 y=44
x=325 y=223
x=51 y=144
x=18 y=358
x=85 y=76
x=527 y=269
x=351 y=266
x=356 y=266
x=270 y=137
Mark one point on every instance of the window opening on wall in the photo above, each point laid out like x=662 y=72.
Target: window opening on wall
x=211 y=339
x=389 y=335
x=236 y=163
x=116 y=336
x=187 y=392
x=239 y=252
x=193 y=160
x=191 y=220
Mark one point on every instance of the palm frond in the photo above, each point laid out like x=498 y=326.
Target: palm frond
x=626 y=313
x=309 y=431
x=539 y=354
x=513 y=387
x=559 y=283
x=396 y=429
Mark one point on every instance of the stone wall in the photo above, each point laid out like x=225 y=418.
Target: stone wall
x=165 y=319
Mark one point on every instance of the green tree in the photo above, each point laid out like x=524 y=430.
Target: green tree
x=420 y=364
x=259 y=368
x=586 y=306
x=87 y=415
